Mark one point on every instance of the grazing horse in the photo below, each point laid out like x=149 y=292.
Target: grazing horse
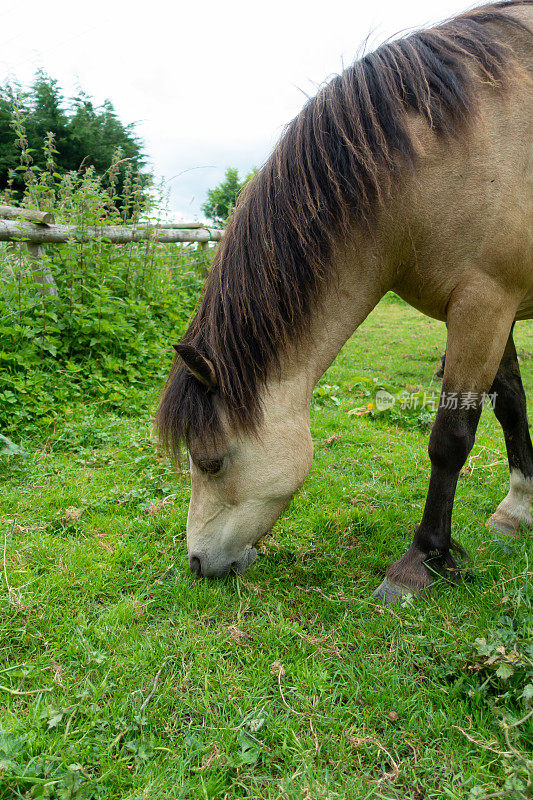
x=412 y=171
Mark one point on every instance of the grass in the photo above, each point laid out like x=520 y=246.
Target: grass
x=290 y=682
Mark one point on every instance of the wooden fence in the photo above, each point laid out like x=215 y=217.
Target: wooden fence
x=35 y=228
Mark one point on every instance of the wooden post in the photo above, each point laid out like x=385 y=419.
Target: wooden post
x=41 y=270
x=203 y=247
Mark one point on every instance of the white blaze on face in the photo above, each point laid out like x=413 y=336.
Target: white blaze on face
x=231 y=509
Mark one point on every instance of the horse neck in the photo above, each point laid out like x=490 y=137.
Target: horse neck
x=361 y=278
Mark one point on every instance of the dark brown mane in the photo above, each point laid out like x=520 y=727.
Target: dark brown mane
x=334 y=165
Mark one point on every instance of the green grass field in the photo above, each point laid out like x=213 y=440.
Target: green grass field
x=121 y=676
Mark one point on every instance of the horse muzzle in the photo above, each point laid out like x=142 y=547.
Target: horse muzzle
x=205 y=565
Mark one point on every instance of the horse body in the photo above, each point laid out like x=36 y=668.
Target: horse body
x=470 y=211
x=451 y=232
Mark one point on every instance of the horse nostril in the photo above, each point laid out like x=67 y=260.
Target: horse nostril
x=195 y=565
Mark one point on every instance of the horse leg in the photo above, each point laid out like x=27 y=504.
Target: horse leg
x=510 y=409
x=440 y=372
x=473 y=355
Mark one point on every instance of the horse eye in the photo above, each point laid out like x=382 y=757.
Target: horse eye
x=210 y=465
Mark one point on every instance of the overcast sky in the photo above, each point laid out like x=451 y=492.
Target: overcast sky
x=210 y=84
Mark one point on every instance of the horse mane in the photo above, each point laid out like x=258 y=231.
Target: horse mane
x=334 y=166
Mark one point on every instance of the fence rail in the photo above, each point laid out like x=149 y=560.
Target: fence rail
x=13 y=231
x=36 y=228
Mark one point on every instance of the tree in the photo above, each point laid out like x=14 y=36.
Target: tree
x=83 y=134
x=222 y=199
x=96 y=133
x=9 y=152
x=46 y=112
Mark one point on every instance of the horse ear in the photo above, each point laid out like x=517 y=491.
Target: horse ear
x=198 y=365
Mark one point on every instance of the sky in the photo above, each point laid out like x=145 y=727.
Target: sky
x=210 y=85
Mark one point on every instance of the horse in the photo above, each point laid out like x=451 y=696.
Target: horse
x=412 y=172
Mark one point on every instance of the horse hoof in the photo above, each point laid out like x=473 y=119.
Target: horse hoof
x=504 y=524
x=390 y=593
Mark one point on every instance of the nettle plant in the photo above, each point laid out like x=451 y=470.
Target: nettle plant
x=105 y=339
